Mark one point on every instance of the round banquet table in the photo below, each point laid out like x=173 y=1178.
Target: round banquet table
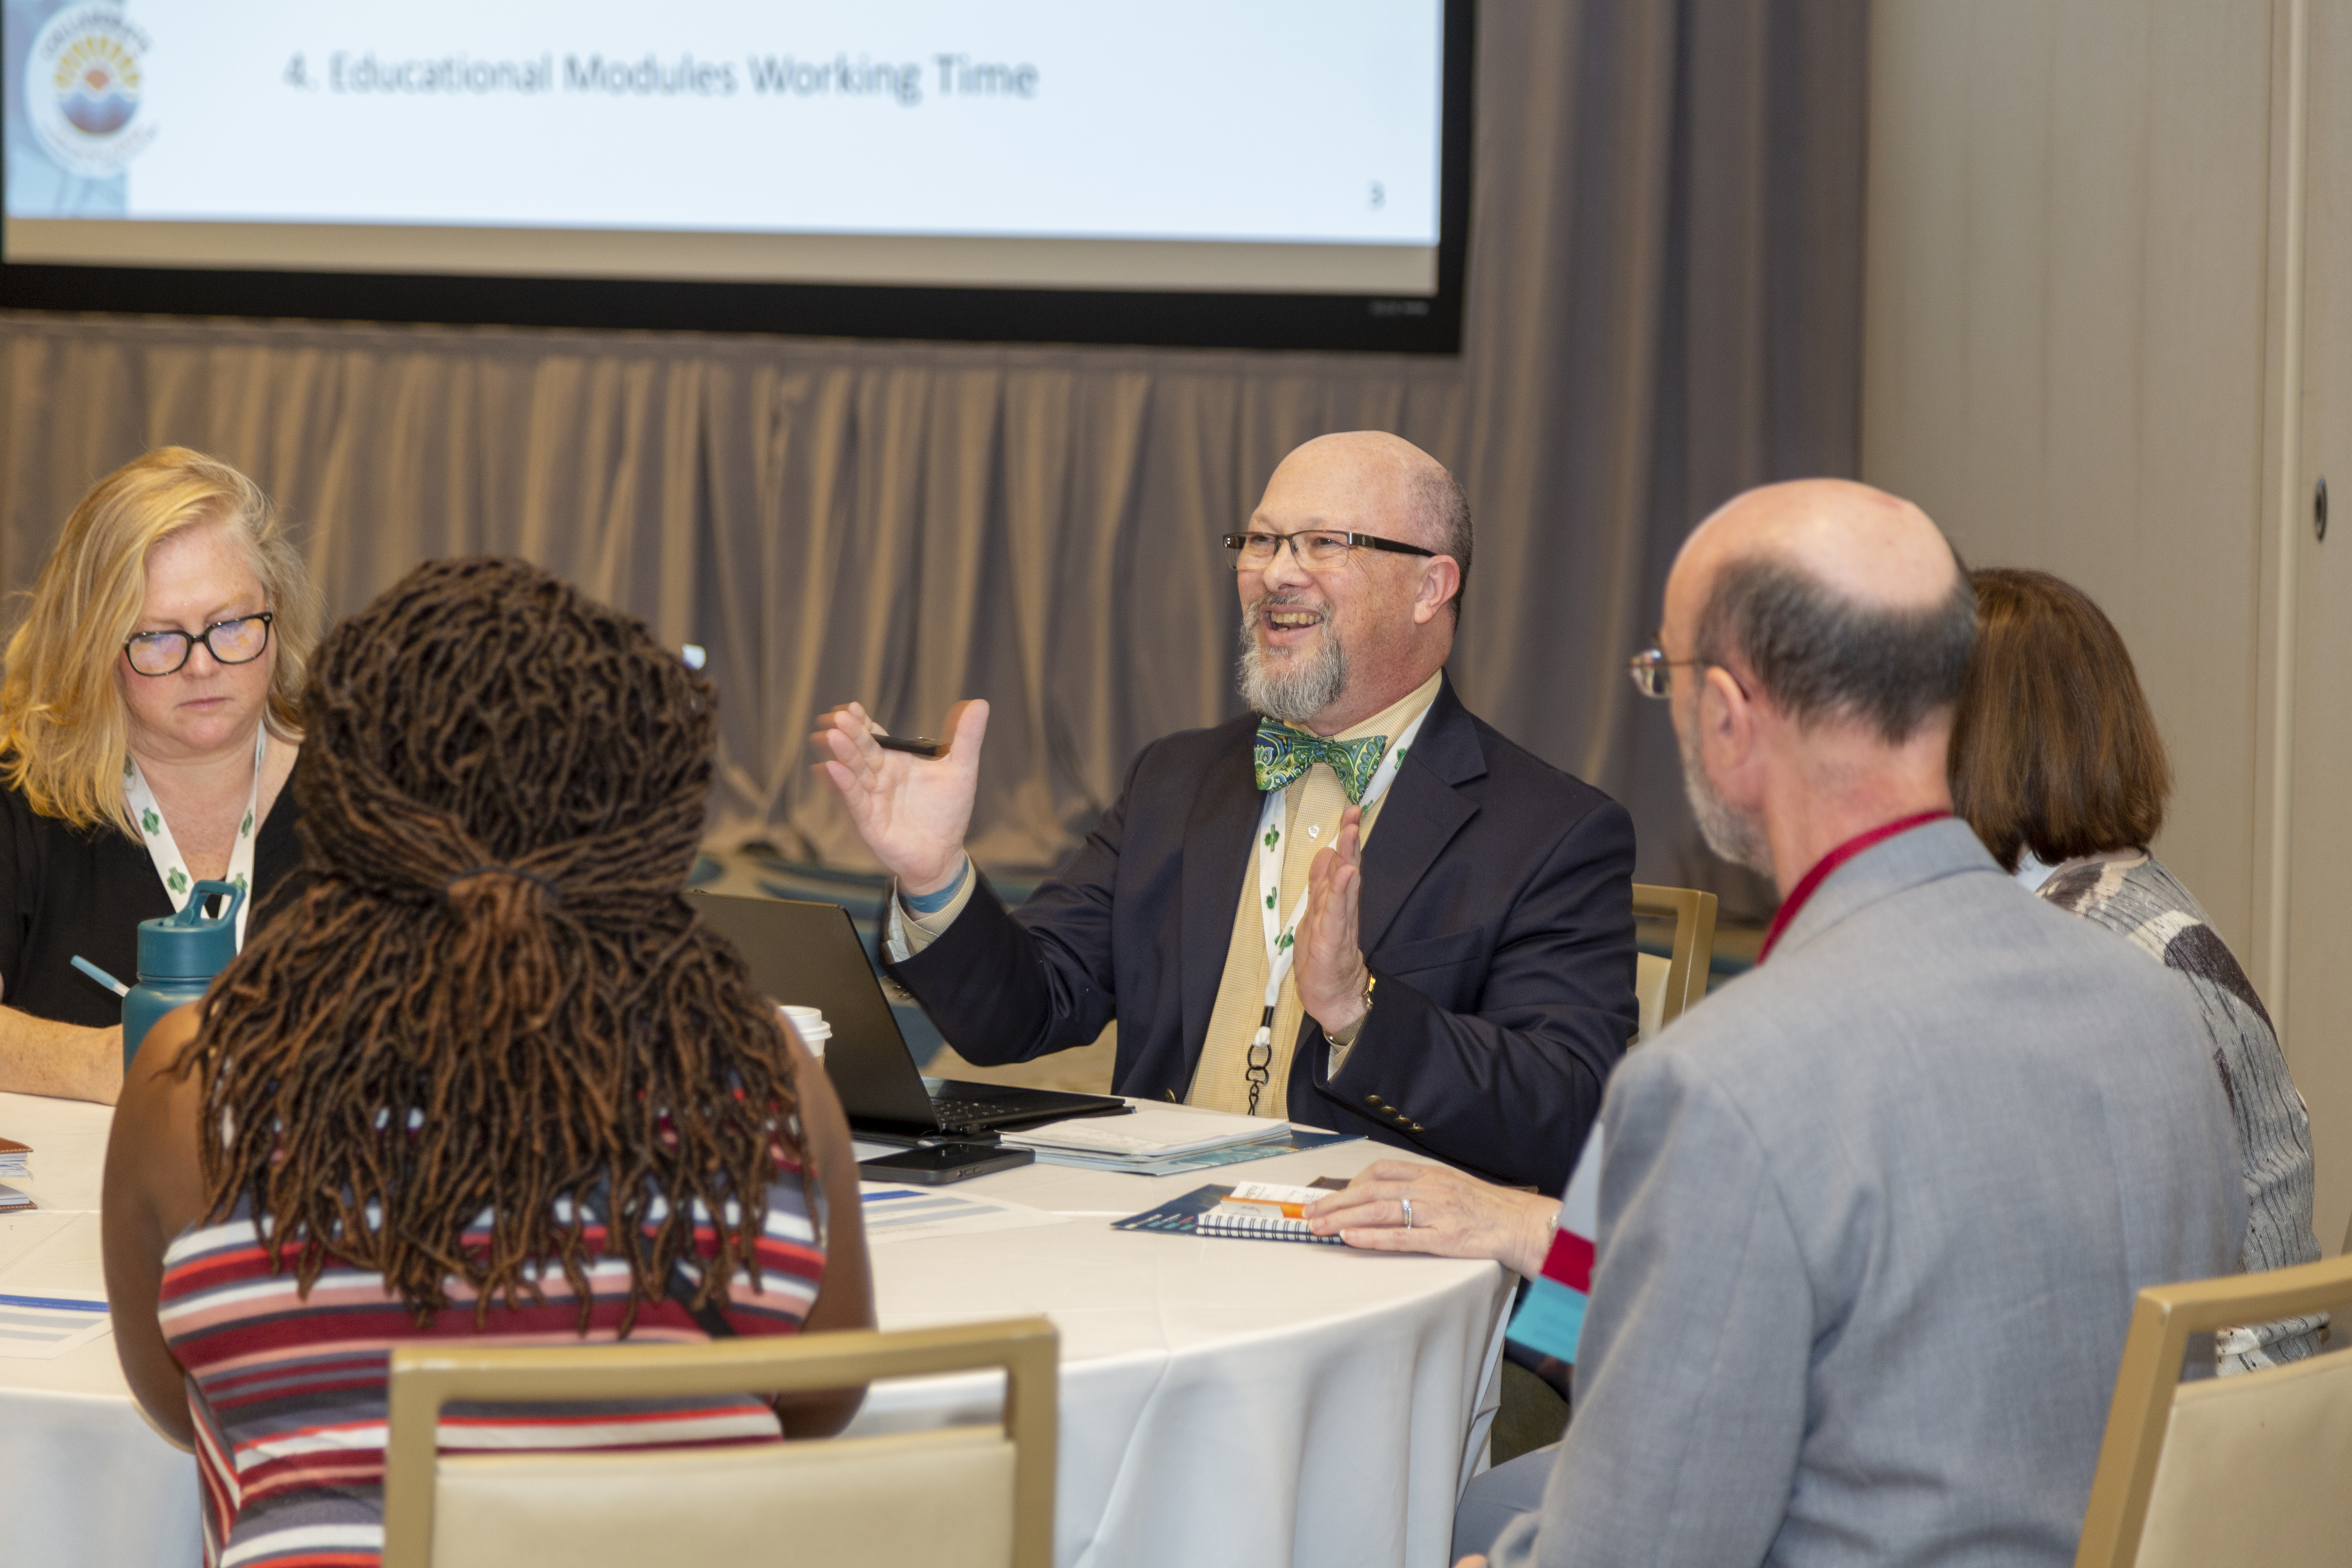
x=1222 y=1402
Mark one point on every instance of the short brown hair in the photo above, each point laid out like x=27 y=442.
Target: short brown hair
x=2053 y=748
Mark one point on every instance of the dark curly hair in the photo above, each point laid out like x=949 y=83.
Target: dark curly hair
x=490 y=994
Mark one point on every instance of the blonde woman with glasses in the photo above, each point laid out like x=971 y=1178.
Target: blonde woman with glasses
x=148 y=725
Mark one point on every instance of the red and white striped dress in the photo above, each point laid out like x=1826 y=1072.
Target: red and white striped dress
x=289 y=1393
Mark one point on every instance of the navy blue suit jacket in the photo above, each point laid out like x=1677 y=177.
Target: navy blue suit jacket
x=1496 y=913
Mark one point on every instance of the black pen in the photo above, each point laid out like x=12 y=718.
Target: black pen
x=914 y=744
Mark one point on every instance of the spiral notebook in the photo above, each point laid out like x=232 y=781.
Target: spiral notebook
x=1254 y=1211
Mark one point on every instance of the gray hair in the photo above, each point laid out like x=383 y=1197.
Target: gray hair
x=1444 y=511
x=1817 y=654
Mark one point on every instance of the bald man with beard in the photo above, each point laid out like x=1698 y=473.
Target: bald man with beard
x=1872 y=1219
x=1356 y=907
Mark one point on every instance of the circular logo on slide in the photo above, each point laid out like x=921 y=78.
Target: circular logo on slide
x=83 y=85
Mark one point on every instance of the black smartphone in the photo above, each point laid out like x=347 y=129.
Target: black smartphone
x=933 y=1164
x=915 y=744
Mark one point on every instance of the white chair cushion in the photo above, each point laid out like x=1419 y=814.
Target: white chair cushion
x=2253 y=1471
x=1649 y=975
x=940 y=1498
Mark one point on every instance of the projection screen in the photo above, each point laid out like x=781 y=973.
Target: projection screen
x=1264 y=173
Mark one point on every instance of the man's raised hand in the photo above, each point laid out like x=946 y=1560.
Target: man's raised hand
x=1330 y=965
x=911 y=811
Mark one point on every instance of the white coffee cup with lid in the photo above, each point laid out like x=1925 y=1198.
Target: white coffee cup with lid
x=809 y=1024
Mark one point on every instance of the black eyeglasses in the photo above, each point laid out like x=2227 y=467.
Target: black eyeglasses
x=239 y=641
x=1314 y=548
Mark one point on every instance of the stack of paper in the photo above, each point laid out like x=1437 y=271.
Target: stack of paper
x=15 y=1166
x=917 y=1213
x=41 y=1327
x=1165 y=1140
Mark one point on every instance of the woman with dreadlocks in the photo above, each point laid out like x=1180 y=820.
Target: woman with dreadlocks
x=489 y=1077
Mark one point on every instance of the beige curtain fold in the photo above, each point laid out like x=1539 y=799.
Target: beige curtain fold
x=1662 y=307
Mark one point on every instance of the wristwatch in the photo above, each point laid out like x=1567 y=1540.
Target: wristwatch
x=1345 y=1037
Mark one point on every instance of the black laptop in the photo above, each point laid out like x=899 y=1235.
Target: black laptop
x=809 y=954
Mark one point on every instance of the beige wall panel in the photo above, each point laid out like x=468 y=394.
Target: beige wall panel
x=2064 y=347
x=2319 y=1023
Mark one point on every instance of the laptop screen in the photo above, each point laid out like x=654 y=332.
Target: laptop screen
x=809 y=955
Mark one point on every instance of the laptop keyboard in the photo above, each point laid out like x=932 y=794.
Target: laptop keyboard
x=955 y=1113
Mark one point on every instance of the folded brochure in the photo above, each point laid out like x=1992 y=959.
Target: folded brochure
x=1253 y=1211
x=1151 y=1133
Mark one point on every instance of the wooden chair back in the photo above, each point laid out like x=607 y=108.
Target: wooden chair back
x=971 y=1497
x=1664 y=986
x=2248 y=1469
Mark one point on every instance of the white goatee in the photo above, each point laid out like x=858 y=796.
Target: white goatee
x=1304 y=686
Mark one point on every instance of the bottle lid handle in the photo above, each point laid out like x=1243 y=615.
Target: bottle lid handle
x=192 y=914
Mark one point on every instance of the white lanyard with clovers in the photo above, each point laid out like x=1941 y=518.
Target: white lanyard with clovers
x=1278 y=937
x=170 y=864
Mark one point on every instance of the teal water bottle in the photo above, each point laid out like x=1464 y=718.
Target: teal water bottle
x=178 y=956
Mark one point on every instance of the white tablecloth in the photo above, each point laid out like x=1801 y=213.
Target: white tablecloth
x=1231 y=1402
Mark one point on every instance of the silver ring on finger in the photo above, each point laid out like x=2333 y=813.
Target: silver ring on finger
x=1407 y=1203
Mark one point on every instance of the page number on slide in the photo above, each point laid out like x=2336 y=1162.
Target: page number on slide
x=1379 y=193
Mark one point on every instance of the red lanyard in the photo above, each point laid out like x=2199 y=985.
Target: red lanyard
x=1831 y=862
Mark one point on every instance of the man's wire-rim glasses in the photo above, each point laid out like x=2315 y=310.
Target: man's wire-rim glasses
x=1311 y=548
x=1653 y=671
x=243 y=640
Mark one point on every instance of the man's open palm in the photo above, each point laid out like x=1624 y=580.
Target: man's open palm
x=912 y=812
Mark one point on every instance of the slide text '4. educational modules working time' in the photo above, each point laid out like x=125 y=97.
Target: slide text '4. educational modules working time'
x=947 y=76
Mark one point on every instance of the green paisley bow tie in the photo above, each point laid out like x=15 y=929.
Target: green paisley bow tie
x=1284 y=755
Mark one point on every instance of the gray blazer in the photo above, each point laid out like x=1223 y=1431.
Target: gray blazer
x=1872 y=1220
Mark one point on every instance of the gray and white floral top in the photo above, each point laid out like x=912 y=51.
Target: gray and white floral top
x=2133 y=895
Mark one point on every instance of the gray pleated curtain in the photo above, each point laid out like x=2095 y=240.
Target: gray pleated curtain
x=1663 y=307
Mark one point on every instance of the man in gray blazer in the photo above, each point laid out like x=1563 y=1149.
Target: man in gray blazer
x=1871 y=1219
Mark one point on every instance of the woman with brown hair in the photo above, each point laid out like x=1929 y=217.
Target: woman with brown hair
x=2057 y=765
x=488 y=1076
x=149 y=720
